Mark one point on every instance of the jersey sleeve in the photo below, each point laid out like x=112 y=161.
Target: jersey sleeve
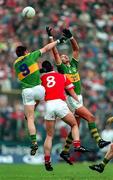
x=35 y=55
x=68 y=84
x=74 y=62
x=61 y=68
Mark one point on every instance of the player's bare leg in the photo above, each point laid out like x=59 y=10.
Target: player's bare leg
x=70 y=119
x=29 y=113
x=100 y=167
x=37 y=102
x=50 y=126
x=84 y=113
x=65 y=153
x=78 y=119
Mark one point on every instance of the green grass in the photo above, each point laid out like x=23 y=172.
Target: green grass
x=79 y=171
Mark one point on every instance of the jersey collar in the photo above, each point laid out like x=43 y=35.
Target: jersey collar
x=20 y=58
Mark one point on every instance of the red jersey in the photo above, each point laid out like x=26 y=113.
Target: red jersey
x=55 y=85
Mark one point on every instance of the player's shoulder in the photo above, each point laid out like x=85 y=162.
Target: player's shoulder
x=19 y=59
x=60 y=77
x=74 y=60
x=52 y=73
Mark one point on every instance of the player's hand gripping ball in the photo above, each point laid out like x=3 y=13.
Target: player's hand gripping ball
x=28 y=12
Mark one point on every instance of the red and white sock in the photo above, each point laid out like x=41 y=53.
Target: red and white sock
x=76 y=143
x=47 y=158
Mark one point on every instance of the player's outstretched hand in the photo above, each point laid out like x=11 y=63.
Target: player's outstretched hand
x=67 y=33
x=48 y=30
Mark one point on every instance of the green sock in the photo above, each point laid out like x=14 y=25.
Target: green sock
x=105 y=161
x=68 y=143
x=33 y=138
x=94 y=131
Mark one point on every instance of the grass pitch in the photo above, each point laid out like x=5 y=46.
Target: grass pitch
x=78 y=171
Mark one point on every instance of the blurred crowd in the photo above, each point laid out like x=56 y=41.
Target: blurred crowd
x=91 y=22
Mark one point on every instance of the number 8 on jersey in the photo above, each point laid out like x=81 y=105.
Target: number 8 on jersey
x=50 y=81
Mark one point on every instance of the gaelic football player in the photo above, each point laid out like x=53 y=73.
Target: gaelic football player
x=55 y=85
x=69 y=67
x=27 y=71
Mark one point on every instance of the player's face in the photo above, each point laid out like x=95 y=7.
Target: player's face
x=26 y=52
x=65 y=59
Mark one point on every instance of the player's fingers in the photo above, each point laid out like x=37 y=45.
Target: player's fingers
x=64 y=31
x=64 y=34
x=50 y=29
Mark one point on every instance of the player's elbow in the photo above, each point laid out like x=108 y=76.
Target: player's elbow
x=45 y=49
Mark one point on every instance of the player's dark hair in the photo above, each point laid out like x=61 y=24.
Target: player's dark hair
x=20 y=50
x=47 y=66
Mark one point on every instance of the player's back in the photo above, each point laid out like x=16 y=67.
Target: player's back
x=54 y=84
x=27 y=69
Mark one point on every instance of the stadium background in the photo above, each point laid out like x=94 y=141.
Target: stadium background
x=91 y=22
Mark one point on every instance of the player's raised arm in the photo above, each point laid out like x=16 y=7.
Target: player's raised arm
x=54 y=49
x=67 y=33
x=49 y=46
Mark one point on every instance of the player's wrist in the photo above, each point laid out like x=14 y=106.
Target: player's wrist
x=50 y=37
x=71 y=38
x=58 y=41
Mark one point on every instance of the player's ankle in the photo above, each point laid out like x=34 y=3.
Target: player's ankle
x=65 y=152
x=47 y=158
x=76 y=143
x=34 y=142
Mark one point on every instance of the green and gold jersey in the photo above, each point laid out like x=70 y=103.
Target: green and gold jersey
x=27 y=70
x=72 y=73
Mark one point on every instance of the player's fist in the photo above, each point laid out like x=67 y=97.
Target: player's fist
x=67 y=33
x=48 y=30
x=110 y=120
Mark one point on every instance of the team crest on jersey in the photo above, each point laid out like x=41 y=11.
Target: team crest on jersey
x=74 y=70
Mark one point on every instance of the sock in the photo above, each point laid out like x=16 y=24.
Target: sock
x=33 y=139
x=76 y=143
x=105 y=161
x=47 y=158
x=94 y=131
x=68 y=143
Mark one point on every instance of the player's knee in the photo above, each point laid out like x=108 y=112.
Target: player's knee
x=73 y=124
x=50 y=134
x=30 y=117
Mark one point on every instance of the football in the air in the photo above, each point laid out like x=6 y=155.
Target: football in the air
x=28 y=12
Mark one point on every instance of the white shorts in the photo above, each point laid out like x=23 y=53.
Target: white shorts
x=73 y=104
x=56 y=108
x=29 y=95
